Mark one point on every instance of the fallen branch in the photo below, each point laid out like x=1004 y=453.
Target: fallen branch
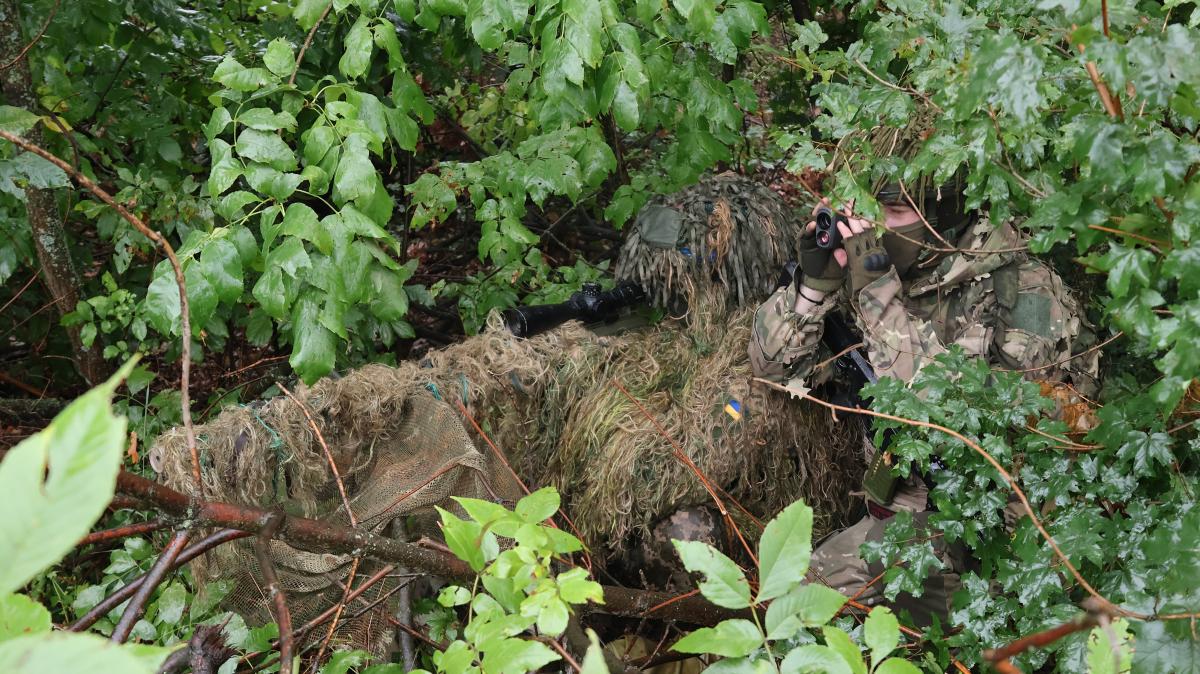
x=283 y=617
x=1000 y=656
x=122 y=532
x=320 y=537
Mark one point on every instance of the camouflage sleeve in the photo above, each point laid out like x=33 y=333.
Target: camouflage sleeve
x=898 y=343
x=785 y=345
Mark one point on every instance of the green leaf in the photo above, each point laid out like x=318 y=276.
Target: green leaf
x=359 y=45
x=216 y=124
x=385 y=39
x=222 y=267
x=881 y=633
x=902 y=666
x=1125 y=264
x=234 y=75
x=815 y=659
x=840 y=642
x=171 y=603
x=517 y=656
x=593 y=659
x=313 y=345
x=225 y=168
x=57 y=483
x=270 y=293
x=266 y=119
x=538 y=506
x=17 y=121
x=169 y=150
x=355 y=176
x=21 y=616
x=805 y=606
x=724 y=583
x=162 y=306
x=784 y=551
x=462 y=537
x=730 y=638
x=266 y=148
x=279 y=58
x=70 y=652
x=307 y=12
x=576 y=588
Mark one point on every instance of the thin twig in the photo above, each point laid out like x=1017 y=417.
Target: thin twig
x=162 y=566
x=337 y=614
x=337 y=475
x=1008 y=478
x=279 y=607
x=416 y=633
x=25 y=50
x=307 y=42
x=552 y=643
x=184 y=311
x=20 y=292
x=1083 y=622
x=122 y=532
x=1068 y=359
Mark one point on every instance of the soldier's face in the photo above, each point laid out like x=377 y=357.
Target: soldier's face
x=899 y=215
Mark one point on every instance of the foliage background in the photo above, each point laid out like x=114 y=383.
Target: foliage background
x=431 y=160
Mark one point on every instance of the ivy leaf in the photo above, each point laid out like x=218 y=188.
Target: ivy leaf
x=1146 y=449
x=279 y=58
x=312 y=343
x=784 y=551
x=57 y=483
x=730 y=638
x=724 y=583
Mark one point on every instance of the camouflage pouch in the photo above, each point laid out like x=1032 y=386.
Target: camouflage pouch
x=879 y=482
x=658 y=226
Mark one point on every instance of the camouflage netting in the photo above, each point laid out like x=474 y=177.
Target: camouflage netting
x=551 y=403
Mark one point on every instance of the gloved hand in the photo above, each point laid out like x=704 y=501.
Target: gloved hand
x=866 y=258
x=821 y=271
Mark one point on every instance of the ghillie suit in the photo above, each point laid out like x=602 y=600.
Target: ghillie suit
x=553 y=404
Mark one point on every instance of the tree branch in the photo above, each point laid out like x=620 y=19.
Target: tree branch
x=162 y=566
x=184 y=317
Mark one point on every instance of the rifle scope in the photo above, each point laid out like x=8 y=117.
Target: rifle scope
x=590 y=304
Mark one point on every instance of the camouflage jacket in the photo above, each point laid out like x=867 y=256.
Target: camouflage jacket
x=1004 y=306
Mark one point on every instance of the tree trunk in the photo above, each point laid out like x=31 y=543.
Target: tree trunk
x=49 y=237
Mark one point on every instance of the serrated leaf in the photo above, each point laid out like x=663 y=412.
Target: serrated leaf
x=270 y=293
x=881 y=633
x=313 y=345
x=784 y=551
x=222 y=266
x=358 y=48
x=265 y=148
x=730 y=638
x=355 y=176
x=806 y=606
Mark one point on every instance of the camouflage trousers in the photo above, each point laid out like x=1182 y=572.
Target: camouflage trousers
x=836 y=561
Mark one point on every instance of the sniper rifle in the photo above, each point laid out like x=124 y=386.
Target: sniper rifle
x=589 y=304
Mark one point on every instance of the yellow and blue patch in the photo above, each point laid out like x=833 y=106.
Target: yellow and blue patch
x=734 y=409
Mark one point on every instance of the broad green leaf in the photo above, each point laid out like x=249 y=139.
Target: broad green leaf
x=576 y=588
x=784 y=551
x=57 y=483
x=266 y=119
x=71 y=652
x=162 y=306
x=216 y=125
x=271 y=182
x=390 y=302
x=815 y=659
x=385 y=39
x=202 y=297
x=517 y=656
x=266 y=148
x=270 y=293
x=593 y=659
x=625 y=107
x=355 y=175
x=240 y=78
x=289 y=256
x=313 y=345
x=279 y=58
x=359 y=44
x=1103 y=657
x=806 y=606
x=171 y=603
x=317 y=141
x=902 y=666
x=307 y=12
x=730 y=638
x=538 y=506
x=724 y=583
x=169 y=150
x=21 y=616
x=15 y=120
x=462 y=537
x=301 y=221
x=881 y=633
x=222 y=267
